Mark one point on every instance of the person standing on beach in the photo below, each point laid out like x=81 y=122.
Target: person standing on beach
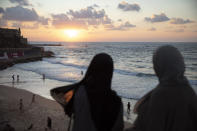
x=33 y=98
x=172 y=105
x=13 y=78
x=96 y=106
x=17 y=78
x=43 y=77
x=21 y=105
x=128 y=107
x=49 y=122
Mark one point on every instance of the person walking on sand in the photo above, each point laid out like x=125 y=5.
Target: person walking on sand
x=128 y=107
x=17 y=78
x=43 y=77
x=96 y=106
x=33 y=98
x=21 y=105
x=49 y=122
x=13 y=78
x=172 y=105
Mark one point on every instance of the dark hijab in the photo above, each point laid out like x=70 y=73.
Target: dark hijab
x=104 y=103
x=169 y=65
x=172 y=105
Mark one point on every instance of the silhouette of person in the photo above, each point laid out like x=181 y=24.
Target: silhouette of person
x=81 y=72
x=17 y=78
x=33 y=98
x=43 y=77
x=128 y=107
x=13 y=78
x=172 y=105
x=21 y=105
x=96 y=106
x=49 y=122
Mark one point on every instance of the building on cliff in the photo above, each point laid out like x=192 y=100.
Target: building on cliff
x=14 y=46
x=12 y=38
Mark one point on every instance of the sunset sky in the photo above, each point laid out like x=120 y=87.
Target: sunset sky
x=102 y=20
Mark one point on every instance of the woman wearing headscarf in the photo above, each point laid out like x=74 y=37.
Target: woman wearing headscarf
x=172 y=105
x=95 y=106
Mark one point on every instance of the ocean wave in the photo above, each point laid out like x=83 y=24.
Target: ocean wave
x=48 y=74
x=129 y=73
x=119 y=71
x=65 y=64
x=193 y=82
x=145 y=75
x=134 y=97
x=129 y=92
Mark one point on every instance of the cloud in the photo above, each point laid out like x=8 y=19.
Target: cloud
x=106 y=20
x=63 y=21
x=25 y=26
x=1 y=10
x=83 y=18
x=93 y=6
x=22 y=14
x=88 y=12
x=43 y=20
x=21 y=2
x=19 y=13
x=102 y=21
x=128 y=25
x=128 y=7
x=157 y=18
x=87 y=18
x=152 y=29
x=180 y=21
x=125 y=26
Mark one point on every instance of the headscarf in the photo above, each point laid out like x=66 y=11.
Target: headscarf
x=169 y=65
x=104 y=103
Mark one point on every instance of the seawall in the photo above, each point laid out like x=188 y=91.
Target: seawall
x=28 y=55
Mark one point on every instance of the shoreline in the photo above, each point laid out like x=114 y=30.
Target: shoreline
x=33 y=114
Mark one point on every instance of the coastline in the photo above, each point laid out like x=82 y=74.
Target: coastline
x=5 y=63
x=34 y=114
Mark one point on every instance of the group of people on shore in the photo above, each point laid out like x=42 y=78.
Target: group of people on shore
x=13 y=78
x=94 y=106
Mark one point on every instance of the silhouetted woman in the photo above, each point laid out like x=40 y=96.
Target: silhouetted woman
x=172 y=105
x=96 y=106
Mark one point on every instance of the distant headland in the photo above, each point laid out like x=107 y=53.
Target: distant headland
x=14 y=48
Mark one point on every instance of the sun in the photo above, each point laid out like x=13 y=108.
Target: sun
x=71 y=33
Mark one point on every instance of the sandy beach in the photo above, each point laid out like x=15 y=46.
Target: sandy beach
x=33 y=116
x=35 y=113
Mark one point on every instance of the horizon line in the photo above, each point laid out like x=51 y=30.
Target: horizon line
x=121 y=41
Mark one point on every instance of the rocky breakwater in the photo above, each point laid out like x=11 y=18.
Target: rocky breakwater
x=11 y=56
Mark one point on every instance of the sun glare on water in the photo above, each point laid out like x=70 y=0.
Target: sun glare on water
x=71 y=33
